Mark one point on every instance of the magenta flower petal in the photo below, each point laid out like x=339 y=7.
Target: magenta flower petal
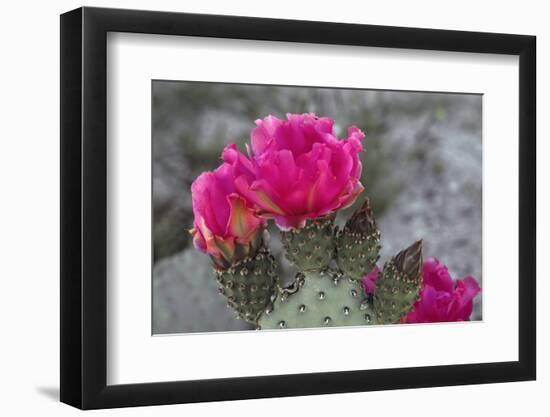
x=437 y=275
x=259 y=193
x=262 y=135
x=240 y=223
x=466 y=291
x=369 y=281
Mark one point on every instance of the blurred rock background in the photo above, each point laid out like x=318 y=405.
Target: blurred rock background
x=422 y=170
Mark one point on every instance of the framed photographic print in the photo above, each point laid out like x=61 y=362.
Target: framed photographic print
x=256 y=208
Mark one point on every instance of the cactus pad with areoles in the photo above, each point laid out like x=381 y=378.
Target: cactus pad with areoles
x=318 y=300
x=311 y=247
x=249 y=284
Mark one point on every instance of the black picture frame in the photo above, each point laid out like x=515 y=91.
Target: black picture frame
x=84 y=207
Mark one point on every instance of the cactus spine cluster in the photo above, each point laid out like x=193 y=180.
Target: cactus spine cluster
x=327 y=291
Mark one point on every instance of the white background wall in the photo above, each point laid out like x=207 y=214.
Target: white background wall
x=29 y=237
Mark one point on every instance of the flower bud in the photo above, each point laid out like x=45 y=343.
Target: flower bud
x=398 y=285
x=358 y=244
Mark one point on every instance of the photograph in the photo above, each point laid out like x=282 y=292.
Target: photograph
x=294 y=207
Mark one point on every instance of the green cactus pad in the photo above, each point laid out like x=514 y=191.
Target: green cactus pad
x=398 y=287
x=318 y=299
x=358 y=244
x=249 y=284
x=311 y=247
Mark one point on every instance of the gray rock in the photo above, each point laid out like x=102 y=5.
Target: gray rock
x=185 y=297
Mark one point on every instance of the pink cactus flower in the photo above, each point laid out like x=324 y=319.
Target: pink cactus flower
x=298 y=169
x=441 y=299
x=369 y=281
x=226 y=226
